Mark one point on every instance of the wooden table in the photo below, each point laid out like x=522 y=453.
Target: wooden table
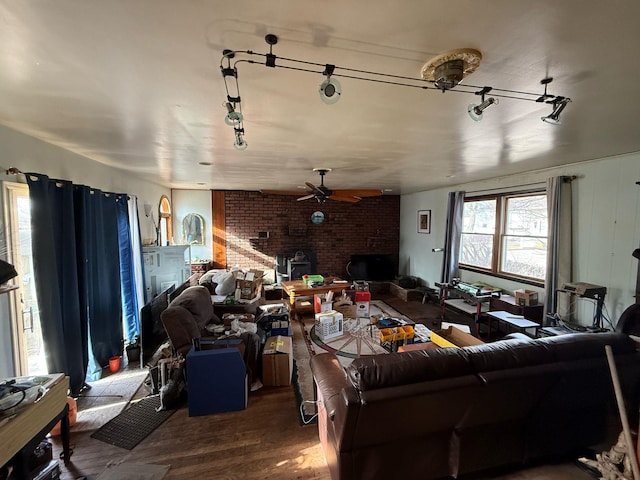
x=21 y=434
x=297 y=288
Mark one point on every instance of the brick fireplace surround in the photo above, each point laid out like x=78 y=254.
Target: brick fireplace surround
x=371 y=226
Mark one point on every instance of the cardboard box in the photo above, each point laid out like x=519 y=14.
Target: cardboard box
x=452 y=337
x=329 y=325
x=277 y=361
x=347 y=310
x=526 y=297
x=362 y=304
x=248 y=283
x=320 y=304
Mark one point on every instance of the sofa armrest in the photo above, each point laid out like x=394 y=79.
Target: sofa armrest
x=330 y=379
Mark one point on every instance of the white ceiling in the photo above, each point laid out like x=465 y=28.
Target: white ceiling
x=136 y=85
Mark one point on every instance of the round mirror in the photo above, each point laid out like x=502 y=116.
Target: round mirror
x=193 y=229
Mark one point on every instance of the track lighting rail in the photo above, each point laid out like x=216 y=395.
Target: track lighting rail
x=330 y=89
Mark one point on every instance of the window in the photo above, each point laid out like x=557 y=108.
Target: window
x=506 y=235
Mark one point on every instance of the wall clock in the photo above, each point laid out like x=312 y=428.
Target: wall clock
x=317 y=218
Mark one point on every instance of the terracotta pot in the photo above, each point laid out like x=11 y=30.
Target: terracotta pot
x=114 y=364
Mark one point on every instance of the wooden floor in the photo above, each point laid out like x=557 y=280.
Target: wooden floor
x=264 y=441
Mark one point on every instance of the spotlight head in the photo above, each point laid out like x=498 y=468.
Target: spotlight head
x=232 y=118
x=330 y=91
x=240 y=143
x=559 y=105
x=475 y=111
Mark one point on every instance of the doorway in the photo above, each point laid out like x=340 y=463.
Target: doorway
x=28 y=345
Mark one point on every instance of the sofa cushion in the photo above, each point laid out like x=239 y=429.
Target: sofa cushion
x=514 y=353
x=197 y=300
x=577 y=346
x=380 y=371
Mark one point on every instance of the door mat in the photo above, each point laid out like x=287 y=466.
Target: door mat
x=134 y=424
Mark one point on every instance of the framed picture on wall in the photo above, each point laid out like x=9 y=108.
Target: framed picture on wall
x=424 y=221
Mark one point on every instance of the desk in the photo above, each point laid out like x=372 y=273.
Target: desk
x=516 y=322
x=297 y=288
x=20 y=435
x=470 y=304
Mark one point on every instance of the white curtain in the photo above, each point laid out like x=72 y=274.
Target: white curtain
x=559 y=243
x=136 y=248
x=453 y=231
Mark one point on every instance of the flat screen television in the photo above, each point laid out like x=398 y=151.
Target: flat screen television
x=375 y=267
x=152 y=332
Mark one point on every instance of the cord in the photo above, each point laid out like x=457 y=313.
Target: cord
x=304 y=415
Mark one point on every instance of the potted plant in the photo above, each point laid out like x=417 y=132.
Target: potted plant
x=132 y=349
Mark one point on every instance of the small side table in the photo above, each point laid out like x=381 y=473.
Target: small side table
x=515 y=322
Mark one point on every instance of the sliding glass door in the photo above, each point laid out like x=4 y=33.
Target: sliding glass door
x=28 y=346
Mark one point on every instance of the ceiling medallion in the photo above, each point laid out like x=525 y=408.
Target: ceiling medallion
x=448 y=69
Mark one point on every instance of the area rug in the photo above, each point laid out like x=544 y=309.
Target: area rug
x=106 y=398
x=134 y=424
x=360 y=340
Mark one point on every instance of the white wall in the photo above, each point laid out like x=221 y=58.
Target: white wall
x=193 y=201
x=31 y=155
x=606 y=203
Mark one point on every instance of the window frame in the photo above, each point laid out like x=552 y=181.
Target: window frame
x=499 y=236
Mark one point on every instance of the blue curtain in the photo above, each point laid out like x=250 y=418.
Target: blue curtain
x=75 y=242
x=130 y=307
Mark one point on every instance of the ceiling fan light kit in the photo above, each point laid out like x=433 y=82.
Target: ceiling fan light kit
x=321 y=193
x=445 y=73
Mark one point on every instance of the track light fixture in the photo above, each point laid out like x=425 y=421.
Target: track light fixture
x=240 y=143
x=232 y=117
x=330 y=90
x=475 y=111
x=559 y=104
x=444 y=73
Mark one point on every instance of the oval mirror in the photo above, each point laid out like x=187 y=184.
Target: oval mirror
x=193 y=229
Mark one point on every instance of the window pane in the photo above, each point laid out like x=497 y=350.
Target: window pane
x=527 y=215
x=476 y=249
x=479 y=217
x=525 y=256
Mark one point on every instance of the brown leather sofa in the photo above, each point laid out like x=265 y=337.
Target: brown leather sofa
x=447 y=412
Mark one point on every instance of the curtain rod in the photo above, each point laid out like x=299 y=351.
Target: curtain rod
x=73 y=184
x=567 y=178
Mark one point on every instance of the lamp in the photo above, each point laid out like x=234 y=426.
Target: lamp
x=330 y=90
x=232 y=118
x=559 y=105
x=240 y=142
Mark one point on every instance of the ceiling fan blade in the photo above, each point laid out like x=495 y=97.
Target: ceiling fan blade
x=344 y=198
x=282 y=192
x=359 y=193
x=306 y=197
x=314 y=188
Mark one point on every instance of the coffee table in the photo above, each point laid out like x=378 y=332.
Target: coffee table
x=297 y=288
x=515 y=322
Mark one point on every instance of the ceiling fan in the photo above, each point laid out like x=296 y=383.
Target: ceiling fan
x=322 y=193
